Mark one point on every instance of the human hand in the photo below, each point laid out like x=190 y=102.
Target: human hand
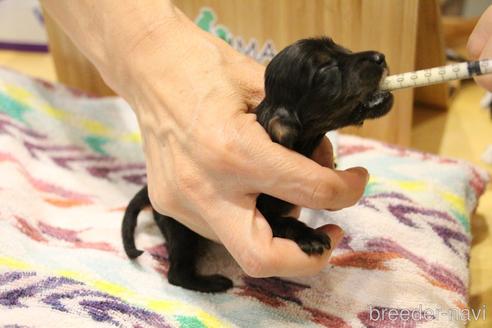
x=208 y=158
x=480 y=45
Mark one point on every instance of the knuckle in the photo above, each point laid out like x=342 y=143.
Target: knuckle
x=231 y=147
x=194 y=190
x=220 y=151
x=224 y=154
x=185 y=181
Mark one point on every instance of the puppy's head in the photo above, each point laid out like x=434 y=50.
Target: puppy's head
x=326 y=86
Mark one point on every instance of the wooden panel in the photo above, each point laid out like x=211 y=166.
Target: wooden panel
x=431 y=53
x=456 y=30
x=389 y=26
x=72 y=68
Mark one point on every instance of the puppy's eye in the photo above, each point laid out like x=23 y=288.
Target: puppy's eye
x=328 y=75
x=328 y=66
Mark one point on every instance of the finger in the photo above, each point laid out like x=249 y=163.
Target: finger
x=299 y=263
x=485 y=81
x=480 y=35
x=294 y=178
x=323 y=154
x=334 y=232
x=480 y=45
x=248 y=237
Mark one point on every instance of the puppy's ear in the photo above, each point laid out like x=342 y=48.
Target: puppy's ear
x=284 y=127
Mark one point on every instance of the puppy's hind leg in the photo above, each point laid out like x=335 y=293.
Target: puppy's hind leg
x=182 y=246
x=308 y=239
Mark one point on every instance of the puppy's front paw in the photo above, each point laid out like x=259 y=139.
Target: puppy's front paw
x=313 y=242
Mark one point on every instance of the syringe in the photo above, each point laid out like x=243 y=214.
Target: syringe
x=421 y=78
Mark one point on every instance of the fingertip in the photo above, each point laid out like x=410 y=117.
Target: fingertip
x=298 y=263
x=359 y=177
x=334 y=232
x=480 y=36
x=360 y=171
x=348 y=189
x=485 y=82
x=474 y=46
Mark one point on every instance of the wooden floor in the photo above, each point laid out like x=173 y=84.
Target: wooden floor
x=464 y=131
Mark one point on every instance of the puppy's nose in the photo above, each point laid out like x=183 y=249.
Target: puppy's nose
x=378 y=58
x=371 y=56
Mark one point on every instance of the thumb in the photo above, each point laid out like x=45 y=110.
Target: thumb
x=296 y=179
x=248 y=237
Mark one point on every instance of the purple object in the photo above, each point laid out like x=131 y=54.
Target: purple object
x=24 y=47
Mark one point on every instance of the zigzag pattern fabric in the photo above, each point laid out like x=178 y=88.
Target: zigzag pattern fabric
x=69 y=164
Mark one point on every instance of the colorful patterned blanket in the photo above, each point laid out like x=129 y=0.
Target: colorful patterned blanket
x=70 y=163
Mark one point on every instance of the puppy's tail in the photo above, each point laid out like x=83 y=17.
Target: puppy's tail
x=139 y=201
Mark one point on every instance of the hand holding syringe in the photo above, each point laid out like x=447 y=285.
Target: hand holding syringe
x=458 y=71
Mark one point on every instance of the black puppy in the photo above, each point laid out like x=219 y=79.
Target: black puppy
x=311 y=87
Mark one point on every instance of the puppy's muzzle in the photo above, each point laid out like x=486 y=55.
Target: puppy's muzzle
x=378 y=102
